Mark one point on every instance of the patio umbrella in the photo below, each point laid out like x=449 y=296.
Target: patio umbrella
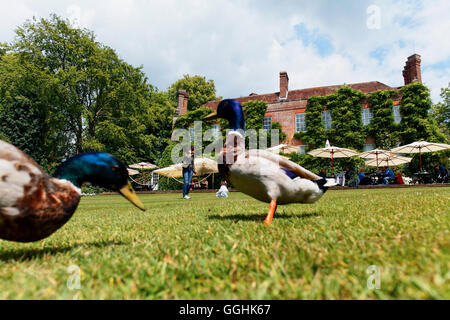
x=132 y=172
x=170 y=172
x=393 y=160
x=205 y=166
x=420 y=147
x=143 y=166
x=284 y=148
x=202 y=166
x=333 y=152
x=377 y=154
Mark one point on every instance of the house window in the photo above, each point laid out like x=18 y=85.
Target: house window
x=191 y=133
x=366 y=116
x=326 y=119
x=267 y=123
x=368 y=147
x=301 y=149
x=300 y=123
x=155 y=178
x=215 y=130
x=397 y=115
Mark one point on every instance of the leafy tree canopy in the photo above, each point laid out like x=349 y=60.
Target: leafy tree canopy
x=91 y=99
x=441 y=112
x=200 y=90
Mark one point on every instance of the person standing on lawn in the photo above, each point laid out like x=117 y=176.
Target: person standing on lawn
x=188 y=171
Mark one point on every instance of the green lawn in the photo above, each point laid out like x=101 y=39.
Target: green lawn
x=208 y=248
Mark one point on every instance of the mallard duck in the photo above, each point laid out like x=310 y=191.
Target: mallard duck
x=33 y=205
x=261 y=174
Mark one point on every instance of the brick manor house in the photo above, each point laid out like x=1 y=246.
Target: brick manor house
x=287 y=107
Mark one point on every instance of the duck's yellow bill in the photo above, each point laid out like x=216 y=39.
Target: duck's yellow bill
x=210 y=116
x=128 y=192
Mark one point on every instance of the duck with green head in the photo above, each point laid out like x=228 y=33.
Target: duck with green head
x=34 y=205
x=259 y=173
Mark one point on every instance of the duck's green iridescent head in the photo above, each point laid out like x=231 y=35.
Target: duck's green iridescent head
x=230 y=110
x=101 y=169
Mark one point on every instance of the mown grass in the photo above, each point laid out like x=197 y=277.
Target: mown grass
x=208 y=248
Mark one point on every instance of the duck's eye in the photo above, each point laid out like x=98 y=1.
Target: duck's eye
x=114 y=168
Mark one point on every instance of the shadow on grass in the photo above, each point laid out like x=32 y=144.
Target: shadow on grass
x=261 y=217
x=25 y=254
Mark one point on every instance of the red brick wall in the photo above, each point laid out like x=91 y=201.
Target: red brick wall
x=284 y=113
x=284 y=83
x=411 y=71
x=182 y=97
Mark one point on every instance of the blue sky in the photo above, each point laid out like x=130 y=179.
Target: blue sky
x=243 y=45
x=321 y=42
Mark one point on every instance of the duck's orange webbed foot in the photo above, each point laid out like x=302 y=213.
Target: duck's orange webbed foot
x=272 y=209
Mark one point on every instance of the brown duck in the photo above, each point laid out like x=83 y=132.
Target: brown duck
x=33 y=205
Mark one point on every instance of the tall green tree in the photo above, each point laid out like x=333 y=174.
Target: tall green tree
x=200 y=90
x=97 y=101
x=28 y=115
x=441 y=112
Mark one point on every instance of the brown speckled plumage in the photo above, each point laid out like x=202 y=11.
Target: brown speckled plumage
x=41 y=214
x=44 y=205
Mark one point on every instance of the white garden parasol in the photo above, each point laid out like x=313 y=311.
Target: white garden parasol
x=377 y=154
x=202 y=166
x=420 y=147
x=132 y=172
x=333 y=152
x=143 y=166
x=283 y=148
x=393 y=160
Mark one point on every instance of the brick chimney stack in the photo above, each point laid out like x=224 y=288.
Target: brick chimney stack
x=411 y=71
x=182 y=98
x=284 y=82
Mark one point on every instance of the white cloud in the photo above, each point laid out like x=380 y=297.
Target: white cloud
x=242 y=45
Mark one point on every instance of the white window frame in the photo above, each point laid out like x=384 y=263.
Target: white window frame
x=155 y=178
x=215 y=130
x=368 y=147
x=366 y=116
x=326 y=119
x=192 y=133
x=266 y=121
x=397 y=114
x=300 y=122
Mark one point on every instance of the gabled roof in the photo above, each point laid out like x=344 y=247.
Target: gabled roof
x=301 y=94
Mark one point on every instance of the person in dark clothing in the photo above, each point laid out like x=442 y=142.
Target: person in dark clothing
x=363 y=180
x=188 y=172
x=441 y=174
x=322 y=173
x=348 y=174
x=348 y=177
x=389 y=175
